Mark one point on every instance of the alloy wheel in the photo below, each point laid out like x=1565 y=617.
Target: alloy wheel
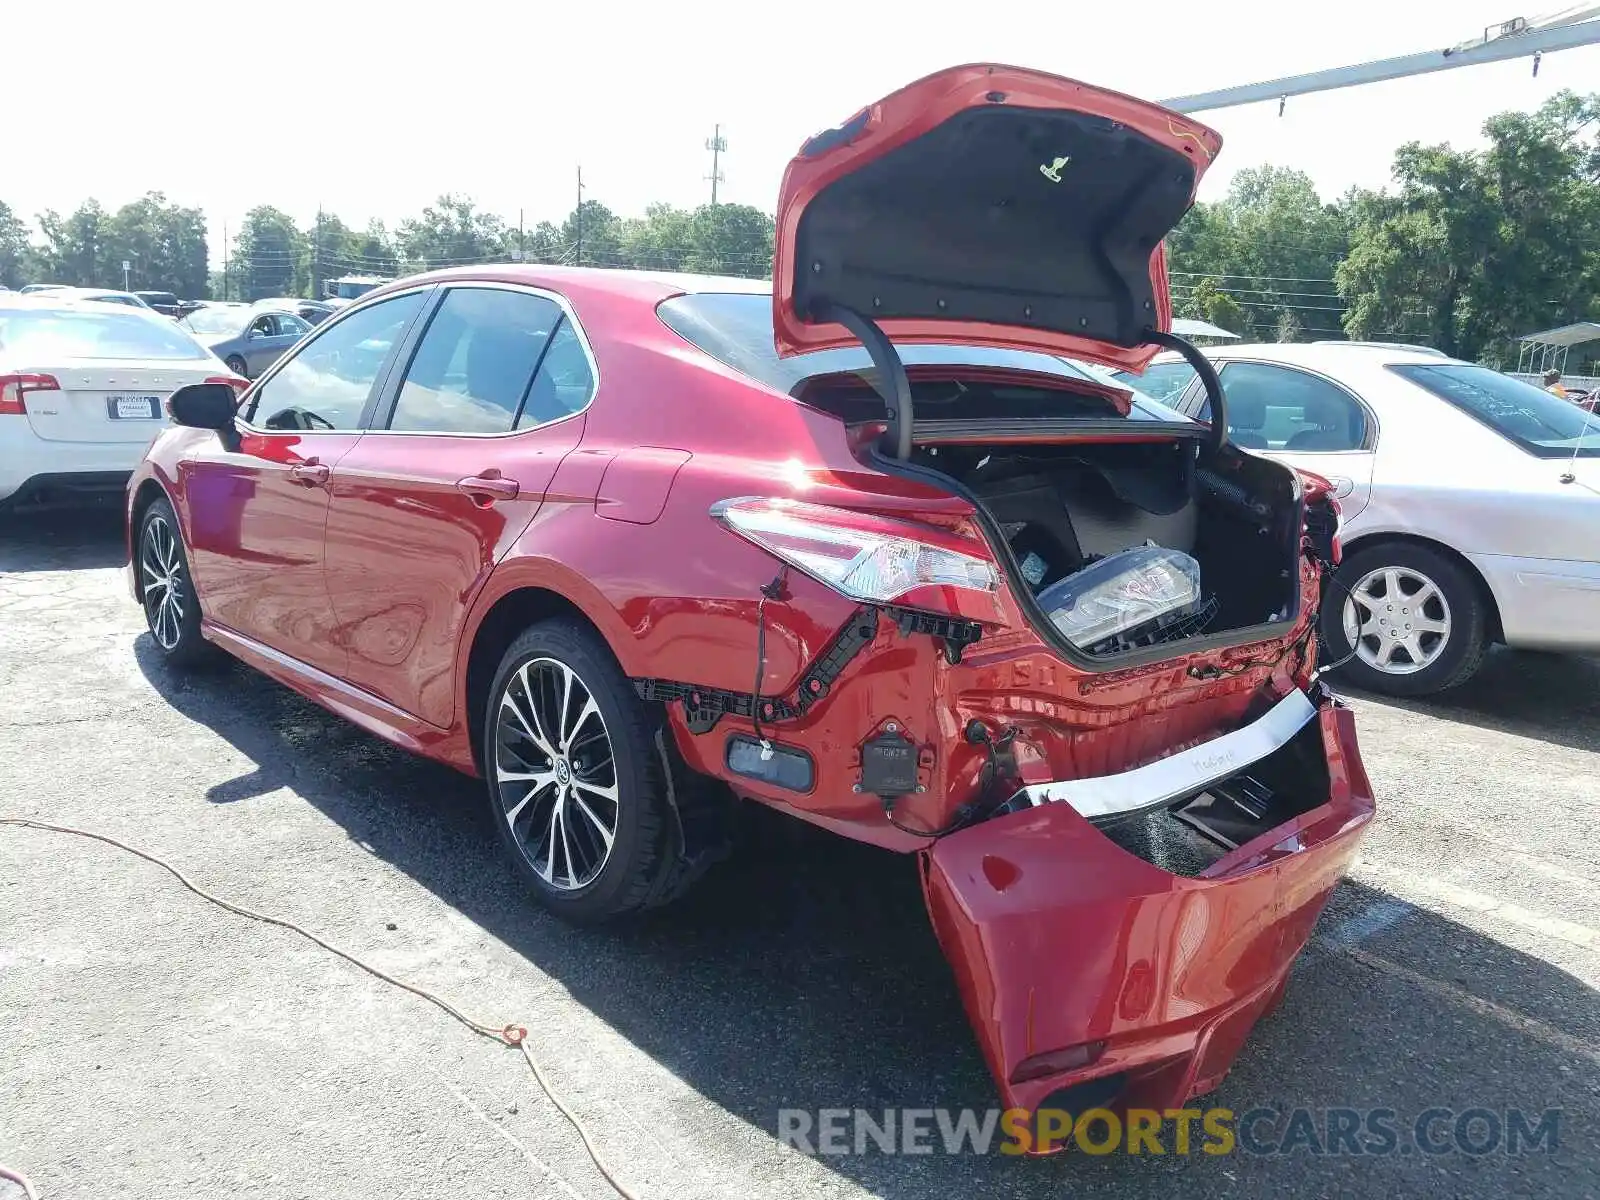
x=1397 y=620
x=165 y=590
x=555 y=774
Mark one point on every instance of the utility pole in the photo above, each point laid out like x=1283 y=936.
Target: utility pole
x=716 y=143
x=225 y=246
x=1520 y=37
x=316 y=259
x=580 y=215
x=520 y=254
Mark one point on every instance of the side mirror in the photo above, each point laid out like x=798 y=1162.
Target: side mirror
x=204 y=406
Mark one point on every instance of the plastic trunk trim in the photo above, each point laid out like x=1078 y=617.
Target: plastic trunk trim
x=1178 y=775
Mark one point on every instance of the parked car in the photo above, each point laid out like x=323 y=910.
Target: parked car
x=348 y=288
x=858 y=544
x=82 y=385
x=165 y=303
x=1471 y=500
x=313 y=312
x=247 y=340
x=31 y=288
x=105 y=296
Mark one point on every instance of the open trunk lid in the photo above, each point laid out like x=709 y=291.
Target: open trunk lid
x=989 y=205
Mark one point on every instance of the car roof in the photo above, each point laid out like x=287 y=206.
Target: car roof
x=1318 y=354
x=83 y=298
x=645 y=286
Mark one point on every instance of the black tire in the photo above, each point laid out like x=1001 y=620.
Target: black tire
x=1450 y=657
x=633 y=869
x=237 y=365
x=171 y=606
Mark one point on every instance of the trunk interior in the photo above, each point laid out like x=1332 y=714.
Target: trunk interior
x=1130 y=539
x=1064 y=509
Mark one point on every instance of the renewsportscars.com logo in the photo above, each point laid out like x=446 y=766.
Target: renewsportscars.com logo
x=1373 y=1132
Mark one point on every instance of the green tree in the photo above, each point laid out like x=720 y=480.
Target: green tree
x=450 y=232
x=75 y=249
x=268 y=254
x=15 y=252
x=1274 y=244
x=1289 y=327
x=591 y=236
x=164 y=245
x=730 y=239
x=1477 y=247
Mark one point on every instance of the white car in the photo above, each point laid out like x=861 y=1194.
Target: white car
x=83 y=386
x=1471 y=500
x=104 y=296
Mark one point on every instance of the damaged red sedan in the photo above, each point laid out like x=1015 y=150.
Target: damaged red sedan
x=866 y=544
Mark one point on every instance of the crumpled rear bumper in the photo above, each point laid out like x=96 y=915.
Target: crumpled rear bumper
x=1092 y=976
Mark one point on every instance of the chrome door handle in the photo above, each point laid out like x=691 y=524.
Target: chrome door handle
x=311 y=474
x=488 y=487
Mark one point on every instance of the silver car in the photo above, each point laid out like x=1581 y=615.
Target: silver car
x=1471 y=500
x=249 y=340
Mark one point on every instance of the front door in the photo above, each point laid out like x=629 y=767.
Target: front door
x=462 y=448
x=257 y=503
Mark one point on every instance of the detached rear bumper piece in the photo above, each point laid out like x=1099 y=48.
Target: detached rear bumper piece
x=1094 y=977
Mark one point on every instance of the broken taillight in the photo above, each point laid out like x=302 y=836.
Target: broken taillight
x=870 y=558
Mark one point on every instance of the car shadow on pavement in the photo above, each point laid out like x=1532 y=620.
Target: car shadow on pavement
x=1551 y=697
x=62 y=539
x=802 y=974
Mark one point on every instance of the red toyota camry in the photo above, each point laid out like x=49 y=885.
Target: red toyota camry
x=866 y=544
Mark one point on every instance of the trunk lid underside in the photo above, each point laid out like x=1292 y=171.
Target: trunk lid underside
x=990 y=206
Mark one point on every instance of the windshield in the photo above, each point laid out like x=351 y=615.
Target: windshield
x=1543 y=425
x=735 y=328
x=214 y=320
x=43 y=335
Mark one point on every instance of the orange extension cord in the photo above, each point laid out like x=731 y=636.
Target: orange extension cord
x=506 y=1035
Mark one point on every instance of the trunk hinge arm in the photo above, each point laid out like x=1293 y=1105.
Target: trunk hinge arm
x=1208 y=377
x=892 y=384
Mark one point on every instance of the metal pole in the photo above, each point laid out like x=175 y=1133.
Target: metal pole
x=580 y=217
x=716 y=144
x=1518 y=38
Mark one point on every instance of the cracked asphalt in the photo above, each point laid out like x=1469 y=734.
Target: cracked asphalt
x=152 y=1045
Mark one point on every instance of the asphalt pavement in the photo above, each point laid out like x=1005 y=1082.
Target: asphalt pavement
x=152 y=1045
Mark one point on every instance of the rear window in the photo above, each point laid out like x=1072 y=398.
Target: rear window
x=61 y=333
x=1543 y=425
x=735 y=328
x=215 y=320
x=157 y=297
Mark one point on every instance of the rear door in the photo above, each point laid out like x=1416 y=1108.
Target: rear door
x=256 y=505
x=464 y=445
x=1303 y=419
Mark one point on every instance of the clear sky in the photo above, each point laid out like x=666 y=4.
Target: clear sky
x=371 y=109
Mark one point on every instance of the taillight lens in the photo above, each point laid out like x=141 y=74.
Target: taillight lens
x=239 y=385
x=877 y=560
x=14 y=387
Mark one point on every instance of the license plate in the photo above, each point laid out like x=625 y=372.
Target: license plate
x=133 y=408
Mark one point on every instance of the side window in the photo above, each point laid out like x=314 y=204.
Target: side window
x=473 y=366
x=290 y=326
x=565 y=381
x=261 y=326
x=1279 y=408
x=324 y=383
x=1161 y=381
